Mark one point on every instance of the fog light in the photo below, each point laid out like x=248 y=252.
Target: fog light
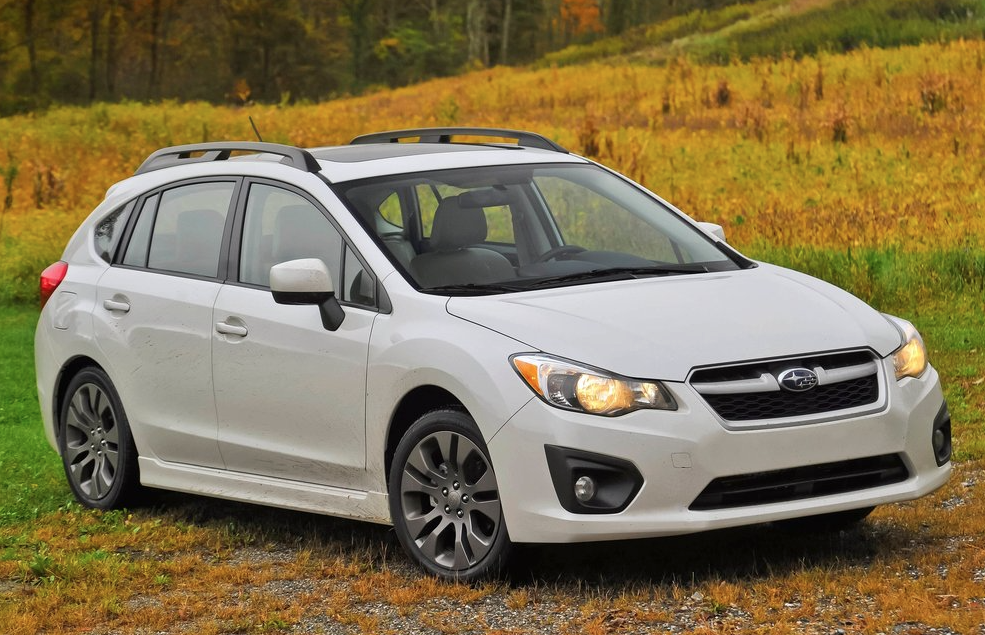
x=940 y=437
x=585 y=488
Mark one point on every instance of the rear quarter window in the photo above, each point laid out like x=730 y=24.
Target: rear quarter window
x=108 y=231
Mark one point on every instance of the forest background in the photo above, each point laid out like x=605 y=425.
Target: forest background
x=79 y=51
x=286 y=51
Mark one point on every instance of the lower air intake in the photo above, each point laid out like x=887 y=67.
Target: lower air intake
x=797 y=483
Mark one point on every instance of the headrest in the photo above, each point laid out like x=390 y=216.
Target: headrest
x=199 y=222
x=456 y=226
x=300 y=233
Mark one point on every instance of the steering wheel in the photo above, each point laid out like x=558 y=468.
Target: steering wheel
x=556 y=252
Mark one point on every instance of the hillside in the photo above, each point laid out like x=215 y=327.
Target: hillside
x=720 y=32
x=874 y=149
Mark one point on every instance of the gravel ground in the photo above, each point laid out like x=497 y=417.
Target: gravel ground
x=632 y=587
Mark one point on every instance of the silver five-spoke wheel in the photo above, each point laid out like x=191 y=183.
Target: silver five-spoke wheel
x=444 y=499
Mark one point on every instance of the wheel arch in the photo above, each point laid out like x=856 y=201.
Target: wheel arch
x=415 y=404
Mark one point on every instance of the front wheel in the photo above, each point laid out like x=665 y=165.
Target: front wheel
x=98 y=453
x=444 y=500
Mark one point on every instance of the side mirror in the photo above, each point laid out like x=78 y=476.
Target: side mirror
x=307 y=281
x=714 y=229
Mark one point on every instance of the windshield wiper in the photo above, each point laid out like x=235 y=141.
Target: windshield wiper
x=474 y=289
x=617 y=273
x=521 y=284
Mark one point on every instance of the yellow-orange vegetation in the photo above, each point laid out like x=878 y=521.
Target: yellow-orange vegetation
x=874 y=148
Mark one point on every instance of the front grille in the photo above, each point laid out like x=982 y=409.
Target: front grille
x=797 y=483
x=752 y=392
x=774 y=405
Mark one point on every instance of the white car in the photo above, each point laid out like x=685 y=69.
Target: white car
x=482 y=343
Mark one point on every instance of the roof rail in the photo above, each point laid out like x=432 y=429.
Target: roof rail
x=444 y=135
x=221 y=150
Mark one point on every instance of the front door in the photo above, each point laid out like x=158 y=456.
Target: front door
x=290 y=395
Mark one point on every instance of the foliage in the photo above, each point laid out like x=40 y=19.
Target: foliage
x=271 y=51
x=876 y=150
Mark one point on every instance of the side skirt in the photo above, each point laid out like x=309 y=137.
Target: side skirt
x=263 y=490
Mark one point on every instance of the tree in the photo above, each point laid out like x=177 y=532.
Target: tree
x=475 y=25
x=30 y=42
x=95 y=20
x=504 y=39
x=580 y=17
x=357 y=12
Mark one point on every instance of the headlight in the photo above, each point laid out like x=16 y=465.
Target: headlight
x=911 y=359
x=570 y=386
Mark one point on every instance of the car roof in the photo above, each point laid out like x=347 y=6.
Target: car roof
x=347 y=163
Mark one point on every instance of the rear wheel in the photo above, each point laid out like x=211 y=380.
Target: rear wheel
x=444 y=500
x=97 y=450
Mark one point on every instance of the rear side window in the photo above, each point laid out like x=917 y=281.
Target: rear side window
x=136 y=255
x=109 y=231
x=181 y=229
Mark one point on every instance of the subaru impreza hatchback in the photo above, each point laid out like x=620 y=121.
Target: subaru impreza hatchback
x=482 y=343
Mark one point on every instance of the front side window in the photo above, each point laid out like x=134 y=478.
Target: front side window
x=496 y=229
x=281 y=225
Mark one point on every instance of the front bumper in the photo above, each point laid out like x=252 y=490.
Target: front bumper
x=679 y=453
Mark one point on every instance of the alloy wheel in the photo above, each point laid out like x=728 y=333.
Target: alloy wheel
x=92 y=439
x=450 y=501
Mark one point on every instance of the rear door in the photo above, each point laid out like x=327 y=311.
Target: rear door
x=153 y=318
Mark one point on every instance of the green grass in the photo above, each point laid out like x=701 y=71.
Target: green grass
x=32 y=483
x=891 y=279
x=770 y=28
x=849 y=24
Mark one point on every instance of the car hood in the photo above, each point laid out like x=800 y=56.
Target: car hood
x=661 y=328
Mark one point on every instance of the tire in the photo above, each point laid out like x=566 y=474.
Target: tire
x=444 y=500
x=826 y=523
x=98 y=453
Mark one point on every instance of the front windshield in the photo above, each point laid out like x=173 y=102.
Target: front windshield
x=513 y=228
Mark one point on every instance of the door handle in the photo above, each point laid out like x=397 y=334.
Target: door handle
x=116 y=305
x=231 y=329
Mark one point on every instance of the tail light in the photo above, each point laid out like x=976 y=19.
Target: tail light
x=51 y=277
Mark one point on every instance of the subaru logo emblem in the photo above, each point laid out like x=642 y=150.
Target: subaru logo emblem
x=797 y=379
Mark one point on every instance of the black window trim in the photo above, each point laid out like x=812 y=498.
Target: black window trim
x=222 y=270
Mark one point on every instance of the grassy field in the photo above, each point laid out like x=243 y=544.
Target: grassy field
x=865 y=169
